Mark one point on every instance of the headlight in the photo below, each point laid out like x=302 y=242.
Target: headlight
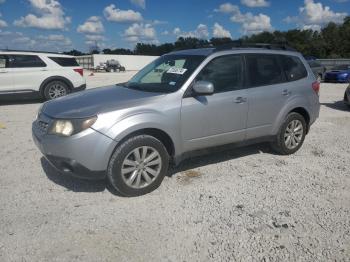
x=71 y=127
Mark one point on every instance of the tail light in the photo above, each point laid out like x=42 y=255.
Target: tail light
x=316 y=87
x=80 y=71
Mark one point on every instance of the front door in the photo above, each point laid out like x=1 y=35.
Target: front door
x=219 y=118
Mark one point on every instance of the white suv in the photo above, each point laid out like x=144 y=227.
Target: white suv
x=48 y=75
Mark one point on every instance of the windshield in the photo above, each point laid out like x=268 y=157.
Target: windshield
x=342 y=67
x=166 y=74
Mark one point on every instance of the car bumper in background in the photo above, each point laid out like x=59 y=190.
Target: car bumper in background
x=335 y=79
x=84 y=155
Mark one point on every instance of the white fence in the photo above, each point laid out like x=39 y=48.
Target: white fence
x=130 y=62
x=330 y=63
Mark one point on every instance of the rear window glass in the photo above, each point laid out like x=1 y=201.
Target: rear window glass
x=264 y=70
x=65 y=61
x=3 y=61
x=293 y=67
x=20 y=61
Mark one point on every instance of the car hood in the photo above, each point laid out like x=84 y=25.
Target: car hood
x=96 y=101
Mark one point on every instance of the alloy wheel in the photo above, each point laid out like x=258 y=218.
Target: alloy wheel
x=57 y=90
x=141 y=167
x=293 y=134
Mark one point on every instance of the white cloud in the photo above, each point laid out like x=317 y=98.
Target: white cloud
x=141 y=33
x=93 y=25
x=166 y=32
x=250 y=24
x=255 y=3
x=121 y=16
x=2 y=22
x=220 y=32
x=50 y=16
x=56 y=39
x=314 y=15
x=140 y=3
x=18 y=40
x=95 y=37
x=201 y=32
x=227 y=8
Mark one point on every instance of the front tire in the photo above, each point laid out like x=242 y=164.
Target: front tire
x=55 y=89
x=291 y=135
x=138 y=166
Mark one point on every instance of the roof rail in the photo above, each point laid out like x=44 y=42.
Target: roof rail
x=239 y=44
x=28 y=51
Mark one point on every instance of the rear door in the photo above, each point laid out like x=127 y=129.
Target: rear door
x=28 y=72
x=6 y=83
x=267 y=93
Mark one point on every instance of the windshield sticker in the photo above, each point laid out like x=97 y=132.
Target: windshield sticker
x=172 y=83
x=178 y=71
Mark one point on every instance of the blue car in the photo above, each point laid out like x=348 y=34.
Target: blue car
x=339 y=74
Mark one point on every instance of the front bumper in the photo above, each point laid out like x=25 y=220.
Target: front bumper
x=79 y=88
x=84 y=155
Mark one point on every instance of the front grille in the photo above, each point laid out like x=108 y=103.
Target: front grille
x=43 y=126
x=43 y=123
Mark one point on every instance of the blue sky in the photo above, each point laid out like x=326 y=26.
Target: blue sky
x=58 y=25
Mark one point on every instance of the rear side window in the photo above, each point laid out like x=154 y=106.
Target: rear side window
x=22 y=61
x=65 y=61
x=3 y=61
x=224 y=72
x=263 y=70
x=293 y=67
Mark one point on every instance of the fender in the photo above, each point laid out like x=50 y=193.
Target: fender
x=54 y=78
x=294 y=102
x=146 y=120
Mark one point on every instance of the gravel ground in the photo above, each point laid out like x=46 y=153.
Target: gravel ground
x=245 y=204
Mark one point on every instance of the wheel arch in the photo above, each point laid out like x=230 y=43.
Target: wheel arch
x=302 y=111
x=159 y=134
x=55 y=78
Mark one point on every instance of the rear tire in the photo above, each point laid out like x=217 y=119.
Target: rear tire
x=138 y=166
x=291 y=135
x=55 y=89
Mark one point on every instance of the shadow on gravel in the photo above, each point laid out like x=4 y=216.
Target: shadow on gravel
x=338 y=105
x=19 y=101
x=218 y=155
x=197 y=159
x=71 y=183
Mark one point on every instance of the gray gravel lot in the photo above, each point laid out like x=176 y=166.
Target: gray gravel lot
x=245 y=204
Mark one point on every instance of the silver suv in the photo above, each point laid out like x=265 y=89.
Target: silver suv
x=182 y=102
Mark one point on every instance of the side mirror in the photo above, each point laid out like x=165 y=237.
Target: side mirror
x=202 y=88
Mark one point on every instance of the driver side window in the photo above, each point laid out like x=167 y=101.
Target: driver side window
x=225 y=72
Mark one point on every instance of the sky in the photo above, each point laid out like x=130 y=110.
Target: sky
x=61 y=25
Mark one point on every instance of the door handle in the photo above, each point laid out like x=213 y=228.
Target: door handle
x=240 y=100
x=44 y=70
x=3 y=72
x=286 y=92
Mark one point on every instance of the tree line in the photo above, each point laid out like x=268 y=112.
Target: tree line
x=332 y=41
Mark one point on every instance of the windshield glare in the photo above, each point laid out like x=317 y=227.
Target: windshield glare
x=166 y=74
